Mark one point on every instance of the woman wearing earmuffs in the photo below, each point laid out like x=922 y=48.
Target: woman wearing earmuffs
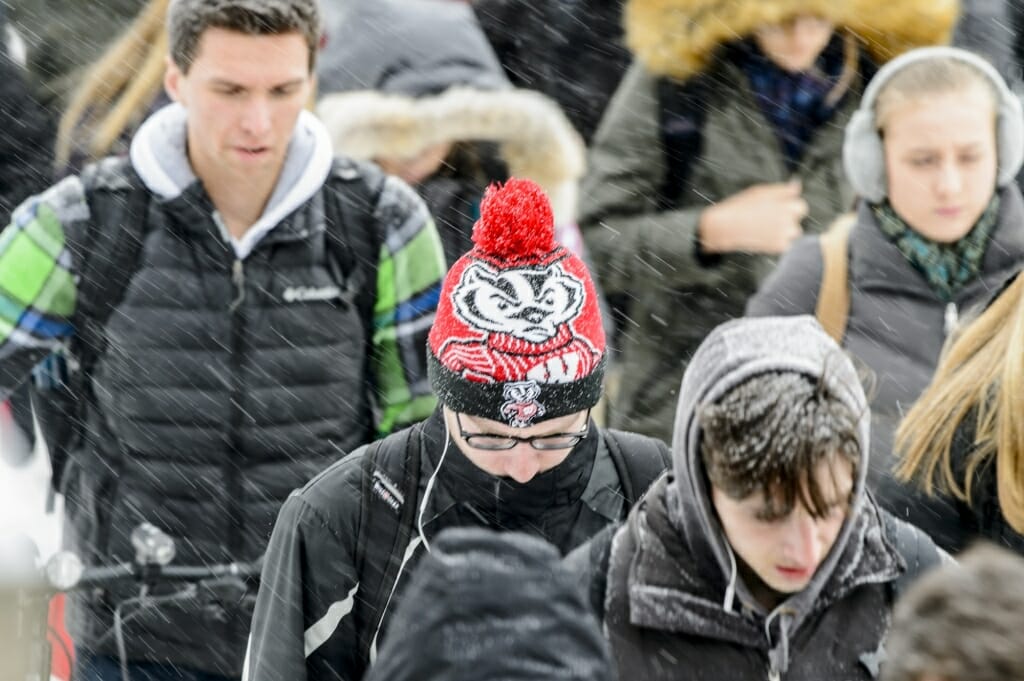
x=932 y=153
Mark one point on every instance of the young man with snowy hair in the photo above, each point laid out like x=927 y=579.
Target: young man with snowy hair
x=761 y=555
x=516 y=357
x=242 y=309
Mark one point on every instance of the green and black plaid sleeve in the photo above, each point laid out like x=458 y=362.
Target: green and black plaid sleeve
x=409 y=275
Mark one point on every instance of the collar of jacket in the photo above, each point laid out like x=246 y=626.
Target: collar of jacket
x=499 y=502
x=675 y=584
x=158 y=154
x=876 y=263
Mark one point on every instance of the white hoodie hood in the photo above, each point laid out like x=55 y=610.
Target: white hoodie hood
x=160 y=157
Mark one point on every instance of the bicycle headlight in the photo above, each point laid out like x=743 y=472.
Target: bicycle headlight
x=64 y=570
x=152 y=545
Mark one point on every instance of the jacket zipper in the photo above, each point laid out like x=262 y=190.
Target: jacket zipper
x=234 y=488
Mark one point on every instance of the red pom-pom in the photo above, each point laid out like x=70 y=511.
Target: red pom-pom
x=516 y=221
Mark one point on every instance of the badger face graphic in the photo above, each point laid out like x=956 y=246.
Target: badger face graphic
x=528 y=303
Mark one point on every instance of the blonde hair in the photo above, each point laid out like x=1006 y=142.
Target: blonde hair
x=118 y=89
x=981 y=374
x=930 y=77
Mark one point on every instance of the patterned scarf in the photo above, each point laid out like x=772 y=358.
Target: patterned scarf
x=796 y=104
x=946 y=267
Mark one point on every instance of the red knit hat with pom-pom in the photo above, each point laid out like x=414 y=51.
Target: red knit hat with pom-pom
x=518 y=335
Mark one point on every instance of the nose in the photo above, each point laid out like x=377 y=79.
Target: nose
x=803 y=545
x=256 y=120
x=949 y=180
x=522 y=464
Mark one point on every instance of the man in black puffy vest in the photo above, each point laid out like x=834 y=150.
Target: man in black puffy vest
x=516 y=357
x=242 y=309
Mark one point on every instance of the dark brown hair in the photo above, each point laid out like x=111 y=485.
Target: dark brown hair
x=769 y=434
x=962 y=622
x=188 y=19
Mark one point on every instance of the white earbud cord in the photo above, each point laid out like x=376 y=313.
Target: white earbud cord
x=411 y=549
x=430 y=486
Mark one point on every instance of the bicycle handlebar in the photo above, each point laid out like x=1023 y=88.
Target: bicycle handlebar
x=154 y=550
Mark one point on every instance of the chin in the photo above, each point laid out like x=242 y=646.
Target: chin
x=787 y=585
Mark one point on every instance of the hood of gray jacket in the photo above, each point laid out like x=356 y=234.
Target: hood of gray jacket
x=731 y=354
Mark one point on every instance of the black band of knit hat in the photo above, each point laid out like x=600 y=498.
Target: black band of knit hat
x=487 y=399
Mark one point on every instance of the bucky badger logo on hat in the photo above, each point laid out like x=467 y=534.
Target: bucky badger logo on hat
x=526 y=303
x=518 y=335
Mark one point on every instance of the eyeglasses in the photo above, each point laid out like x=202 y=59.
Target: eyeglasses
x=497 y=443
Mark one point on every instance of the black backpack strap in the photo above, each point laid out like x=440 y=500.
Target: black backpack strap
x=639 y=460
x=106 y=260
x=353 y=233
x=387 y=526
x=109 y=257
x=918 y=551
x=589 y=563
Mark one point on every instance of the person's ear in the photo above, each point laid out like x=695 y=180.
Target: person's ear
x=173 y=80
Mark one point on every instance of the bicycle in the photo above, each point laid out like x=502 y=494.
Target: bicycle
x=65 y=573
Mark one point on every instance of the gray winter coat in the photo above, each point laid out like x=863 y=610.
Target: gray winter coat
x=897 y=327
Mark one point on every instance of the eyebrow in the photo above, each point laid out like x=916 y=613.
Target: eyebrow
x=221 y=82
x=967 y=146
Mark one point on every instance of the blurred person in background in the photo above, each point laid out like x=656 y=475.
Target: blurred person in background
x=26 y=153
x=573 y=51
x=721 y=146
x=961 y=623
x=63 y=36
x=933 y=153
x=414 y=86
x=116 y=93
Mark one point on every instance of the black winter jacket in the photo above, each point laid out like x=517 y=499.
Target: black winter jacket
x=313 y=619
x=983 y=518
x=664 y=614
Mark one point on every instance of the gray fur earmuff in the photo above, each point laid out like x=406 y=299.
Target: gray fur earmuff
x=863 y=155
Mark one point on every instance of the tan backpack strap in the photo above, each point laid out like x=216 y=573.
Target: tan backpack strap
x=833 y=306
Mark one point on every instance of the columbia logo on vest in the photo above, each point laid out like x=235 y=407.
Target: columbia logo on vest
x=297 y=294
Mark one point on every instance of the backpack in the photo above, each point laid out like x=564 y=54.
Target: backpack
x=393 y=473
x=62 y=388
x=833 y=307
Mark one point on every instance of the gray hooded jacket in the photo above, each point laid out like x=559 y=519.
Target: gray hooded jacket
x=675 y=604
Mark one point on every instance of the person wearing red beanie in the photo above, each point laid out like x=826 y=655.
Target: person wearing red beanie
x=516 y=357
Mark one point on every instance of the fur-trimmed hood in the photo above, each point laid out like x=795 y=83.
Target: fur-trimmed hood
x=535 y=138
x=677 y=38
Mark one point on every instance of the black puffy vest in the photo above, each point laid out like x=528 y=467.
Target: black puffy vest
x=224 y=385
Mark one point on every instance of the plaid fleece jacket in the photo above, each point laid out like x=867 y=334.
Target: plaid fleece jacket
x=39 y=291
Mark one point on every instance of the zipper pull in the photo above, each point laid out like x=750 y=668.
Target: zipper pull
x=238 y=279
x=951 y=319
